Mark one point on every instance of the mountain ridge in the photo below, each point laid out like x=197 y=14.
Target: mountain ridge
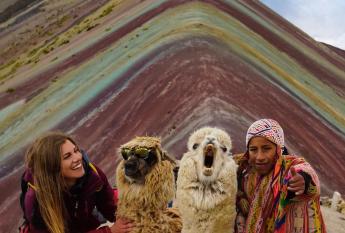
x=165 y=68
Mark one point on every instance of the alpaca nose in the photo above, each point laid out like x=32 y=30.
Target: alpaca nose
x=210 y=140
x=131 y=167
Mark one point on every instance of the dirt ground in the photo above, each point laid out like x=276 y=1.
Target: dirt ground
x=335 y=222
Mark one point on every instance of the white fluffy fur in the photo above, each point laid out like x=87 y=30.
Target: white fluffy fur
x=206 y=197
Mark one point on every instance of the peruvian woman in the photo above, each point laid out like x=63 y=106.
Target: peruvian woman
x=277 y=192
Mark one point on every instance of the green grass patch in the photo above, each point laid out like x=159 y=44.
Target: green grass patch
x=61 y=21
x=10 y=90
x=106 y=11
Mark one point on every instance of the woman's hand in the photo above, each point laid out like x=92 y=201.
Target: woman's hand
x=296 y=183
x=122 y=225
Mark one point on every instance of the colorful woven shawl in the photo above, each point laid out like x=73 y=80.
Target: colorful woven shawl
x=267 y=195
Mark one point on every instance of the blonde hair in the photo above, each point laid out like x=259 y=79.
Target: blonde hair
x=44 y=159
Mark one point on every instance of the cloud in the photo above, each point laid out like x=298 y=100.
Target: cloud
x=321 y=19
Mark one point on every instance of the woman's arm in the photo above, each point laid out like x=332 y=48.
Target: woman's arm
x=105 y=198
x=120 y=226
x=106 y=205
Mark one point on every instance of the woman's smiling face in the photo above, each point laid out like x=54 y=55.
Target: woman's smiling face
x=71 y=163
x=262 y=154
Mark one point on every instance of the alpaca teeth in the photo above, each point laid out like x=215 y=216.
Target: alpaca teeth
x=208 y=171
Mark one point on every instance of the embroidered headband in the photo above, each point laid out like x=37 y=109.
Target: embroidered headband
x=267 y=128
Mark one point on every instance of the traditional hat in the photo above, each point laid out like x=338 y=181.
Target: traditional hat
x=267 y=128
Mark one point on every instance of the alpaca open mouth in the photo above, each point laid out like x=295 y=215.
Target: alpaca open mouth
x=209 y=153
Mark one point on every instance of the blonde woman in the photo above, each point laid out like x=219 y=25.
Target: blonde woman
x=65 y=192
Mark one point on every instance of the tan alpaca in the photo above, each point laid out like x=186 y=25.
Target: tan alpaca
x=207 y=184
x=146 y=185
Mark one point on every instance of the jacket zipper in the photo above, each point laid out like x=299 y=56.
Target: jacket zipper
x=76 y=208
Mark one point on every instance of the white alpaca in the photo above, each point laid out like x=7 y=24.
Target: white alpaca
x=207 y=184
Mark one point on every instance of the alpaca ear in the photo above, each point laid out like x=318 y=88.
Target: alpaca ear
x=165 y=156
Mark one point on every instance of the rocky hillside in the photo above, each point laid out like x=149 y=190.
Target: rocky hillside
x=107 y=70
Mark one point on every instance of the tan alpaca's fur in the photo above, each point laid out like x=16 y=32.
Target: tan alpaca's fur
x=206 y=196
x=146 y=204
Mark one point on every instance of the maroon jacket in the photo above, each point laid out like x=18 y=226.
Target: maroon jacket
x=89 y=202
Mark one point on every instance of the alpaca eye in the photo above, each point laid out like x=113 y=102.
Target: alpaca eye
x=224 y=149
x=195 y=146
